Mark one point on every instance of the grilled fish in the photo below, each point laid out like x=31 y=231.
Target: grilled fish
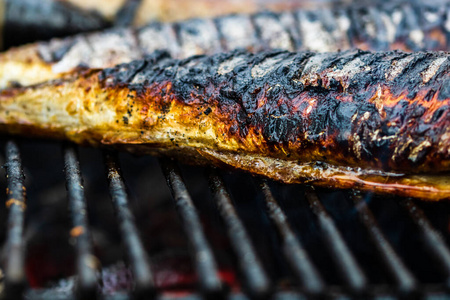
x=25 y=21
x=405 y=26
x=373 y=121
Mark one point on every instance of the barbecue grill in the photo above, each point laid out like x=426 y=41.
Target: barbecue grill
x=284 y=241
x=246 y=237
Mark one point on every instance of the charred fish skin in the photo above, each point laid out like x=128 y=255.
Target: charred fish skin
x=406 y=26
x=28 y=20
x=323 y=104
x=374 y=121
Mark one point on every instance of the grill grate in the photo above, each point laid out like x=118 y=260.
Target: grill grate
x=256 y=280
x=15 y=249
x=205 y=264
x=433 y=240
x=406 y=283
x=295 y=254
x=144 y=283
x=86 y=261
x=344 y=259
x=257 y=283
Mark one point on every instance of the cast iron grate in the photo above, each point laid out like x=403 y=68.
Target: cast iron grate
x=256 y=282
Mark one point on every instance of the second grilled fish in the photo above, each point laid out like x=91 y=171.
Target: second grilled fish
x=411 y=27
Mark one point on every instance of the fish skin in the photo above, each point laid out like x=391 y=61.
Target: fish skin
x=328 y=29
x=25 y=21
x=354 y=119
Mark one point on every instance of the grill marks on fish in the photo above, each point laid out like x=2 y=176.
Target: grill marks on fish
x=237 y=31
x=198 y=36
x=158 y=36
x=272 y=33
x=337 y=119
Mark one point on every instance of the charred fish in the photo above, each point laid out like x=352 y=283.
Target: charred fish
x=375 y=121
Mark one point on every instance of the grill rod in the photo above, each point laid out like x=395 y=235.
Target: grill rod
x=298 y=258
x=143 y=278
x=87 y=263
x=433 y=240
x=14 y=256
x=401 y=274
x=257 y=283
x=210 y=284
x=353 y=275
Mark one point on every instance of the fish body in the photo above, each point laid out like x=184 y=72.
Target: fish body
x=375 y=121
x=411 y=27
x=25 y=21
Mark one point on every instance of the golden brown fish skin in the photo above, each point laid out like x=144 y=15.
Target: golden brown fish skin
x=372 y=121
x=385 y=27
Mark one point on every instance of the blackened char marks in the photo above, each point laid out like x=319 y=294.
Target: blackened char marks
x=197 y=36
x=354 y=106
x=122 y=74
x=96 y=50
x=55 y=50
x=121 y=43
x=414 y=36
x=369 y=28
x=158 y=36
x=411 y=78
x=271 y=31
x=237 y=32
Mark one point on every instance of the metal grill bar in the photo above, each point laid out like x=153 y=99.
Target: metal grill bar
x=293 y=250
x=143 y=278
x=15 y=246
x=403 y=277
x=256 y=281
x=433 y=240
x=87 y=263
x=353 y=275
x=206 y=267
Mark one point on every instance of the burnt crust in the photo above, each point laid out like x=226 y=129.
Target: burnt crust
x=332 y=107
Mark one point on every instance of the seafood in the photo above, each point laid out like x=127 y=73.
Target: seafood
x=25 y=21
x=375 y=121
